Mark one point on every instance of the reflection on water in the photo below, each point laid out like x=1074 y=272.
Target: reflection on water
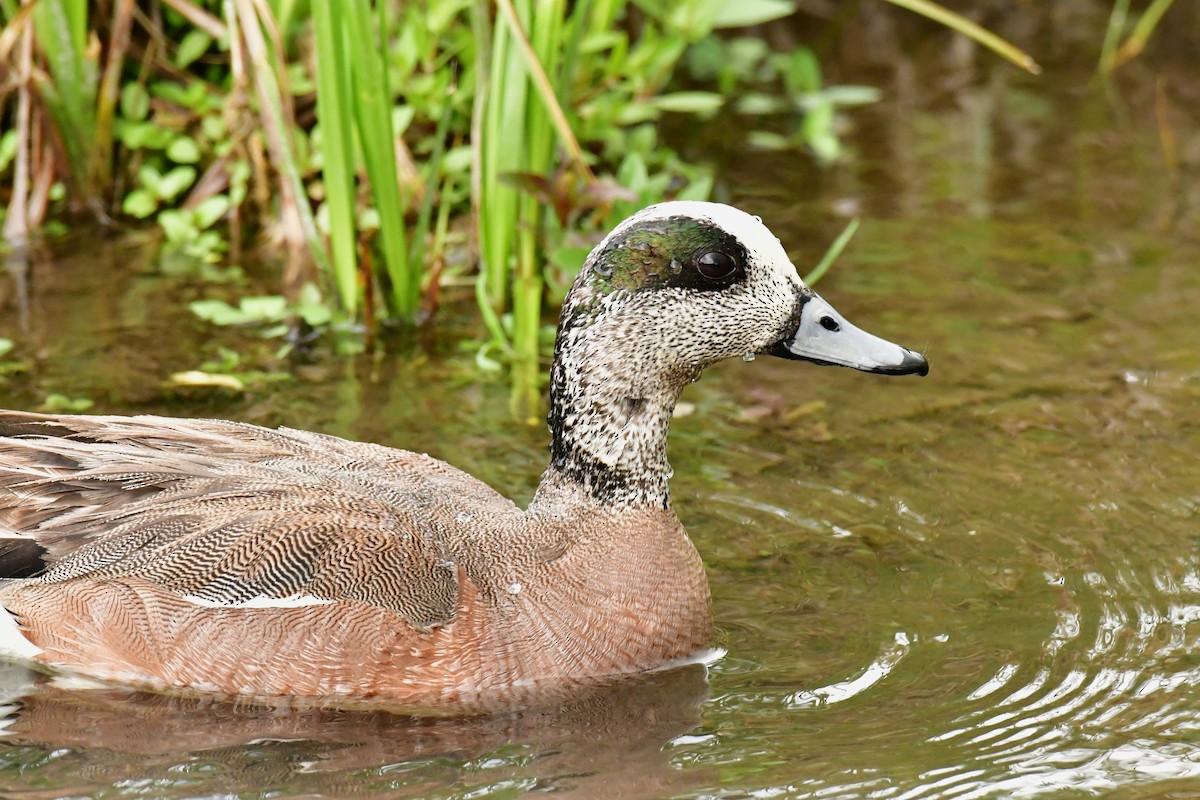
x=981 y=584
x=143 y=744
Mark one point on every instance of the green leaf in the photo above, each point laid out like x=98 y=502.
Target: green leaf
x=149 y=177
x=143 y=135
x=700 y=188
x=267 y=308
x=193 y=45
x=208 y=212
x=817 y=130
x=402 y=117
x=194 y=96
x=6 y=346
x=766 y=140
x=703 y=104
x=177 y=225
x=213 y=128
x=852 y=95
x=174 y=182
x=312 y=308
x=139 y=203
x=195 y=377
x=8 y=149
x=56 y=403
x=742 y=13
x=218 y=312
x=184 y=150
x=135 y=102
x=759 y=104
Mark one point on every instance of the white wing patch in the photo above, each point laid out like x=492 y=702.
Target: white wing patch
x=13 y=644
x=291 y=601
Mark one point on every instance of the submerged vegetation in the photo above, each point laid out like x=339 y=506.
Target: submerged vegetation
x=388 y=150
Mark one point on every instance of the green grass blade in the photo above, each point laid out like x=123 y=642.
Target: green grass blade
x=957 y=22
x=337 y=148
x=835 y=250
x=61 y=30
x=373 y=112
x=1112 y=35
x=433 y=172
x=1141 y=33
x=277 y=126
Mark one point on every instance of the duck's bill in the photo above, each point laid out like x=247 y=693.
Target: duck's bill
x=823 y=336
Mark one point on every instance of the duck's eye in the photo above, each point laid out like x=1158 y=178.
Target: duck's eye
x=716 y=265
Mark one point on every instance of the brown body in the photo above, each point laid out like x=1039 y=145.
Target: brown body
x=401 y=598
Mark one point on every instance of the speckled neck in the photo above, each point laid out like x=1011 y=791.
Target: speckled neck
x=610 y=408
x=609 y=446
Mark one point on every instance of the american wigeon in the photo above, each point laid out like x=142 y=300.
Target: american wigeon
x=212 y=556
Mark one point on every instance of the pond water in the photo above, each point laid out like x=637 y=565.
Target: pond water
x=984 y=583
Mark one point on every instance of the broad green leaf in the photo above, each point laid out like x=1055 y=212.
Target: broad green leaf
x=56 y=403
x=139 y=203
x=143 y=135
x=195 y=377
x=191 y=47
x=766 y=140
x=135 y=102
x=8 y=148
x=402 y=117
x=266 y=308
x=218 y=312
x=852 y=95
x=184 y=150
x=177 y=225
x=213 y=127
x=312 y=308
x=700 y=188
x=6 y=346
x=741 y=13
x=177 y=180
x=760 y=103
x=149 y=176
x=212 y=209
x=703 y=104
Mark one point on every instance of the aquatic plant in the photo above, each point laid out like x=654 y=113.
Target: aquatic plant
x=357 y=134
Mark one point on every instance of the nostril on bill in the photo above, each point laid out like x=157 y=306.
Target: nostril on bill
x=830 y=324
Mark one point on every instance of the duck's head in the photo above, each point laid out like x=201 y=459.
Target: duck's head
x=681 y=285
x=673 y=289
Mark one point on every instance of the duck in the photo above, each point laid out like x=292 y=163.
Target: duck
x=225 y=559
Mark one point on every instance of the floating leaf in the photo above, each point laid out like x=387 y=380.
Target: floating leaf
x=59 y=403
x=218 y=312
x=267 y=308
x=195 y=377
